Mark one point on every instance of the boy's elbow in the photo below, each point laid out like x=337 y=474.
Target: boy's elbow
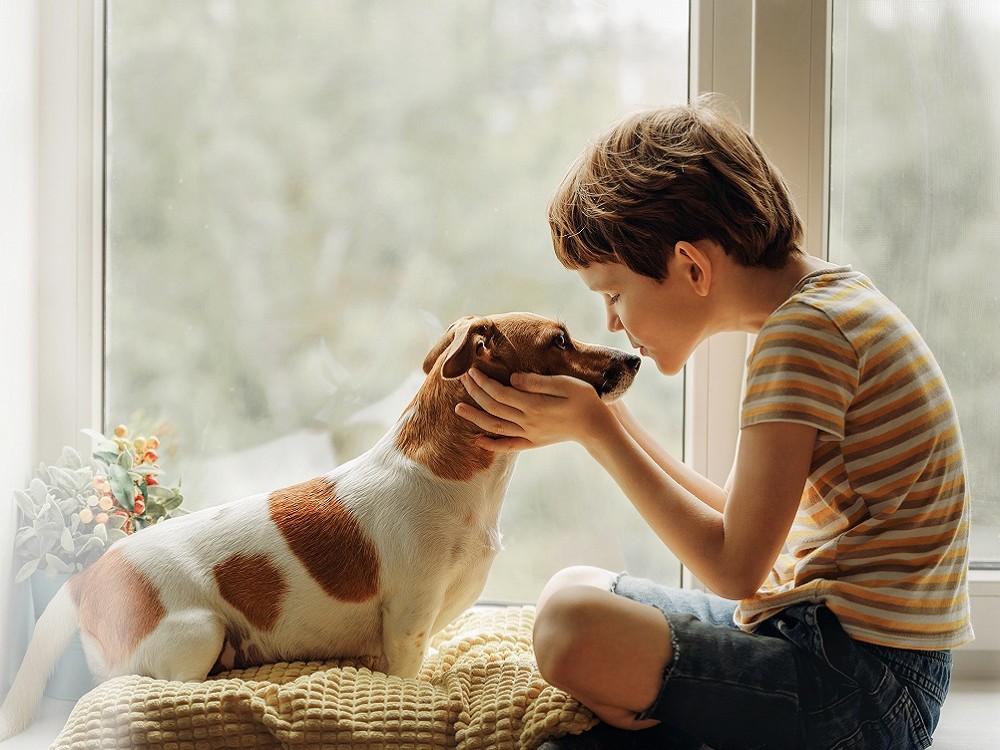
x=738 y=585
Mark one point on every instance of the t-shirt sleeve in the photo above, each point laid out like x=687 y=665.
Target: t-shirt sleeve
x=802 y=369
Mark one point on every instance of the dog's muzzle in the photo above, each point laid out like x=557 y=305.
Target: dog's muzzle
x=618 y=377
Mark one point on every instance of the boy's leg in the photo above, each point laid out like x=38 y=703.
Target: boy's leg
x=607 y=651
x=613 y=651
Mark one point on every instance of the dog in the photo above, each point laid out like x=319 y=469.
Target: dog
x=369 y=560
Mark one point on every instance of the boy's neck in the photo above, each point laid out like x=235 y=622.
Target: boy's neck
x=758 y=292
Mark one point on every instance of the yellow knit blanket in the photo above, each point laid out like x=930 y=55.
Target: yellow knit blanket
x=478 y=688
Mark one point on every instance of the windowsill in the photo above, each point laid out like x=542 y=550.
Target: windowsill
x=981 y=658
x=985 y=581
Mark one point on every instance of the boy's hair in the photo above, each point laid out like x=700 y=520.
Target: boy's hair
x=662 y=176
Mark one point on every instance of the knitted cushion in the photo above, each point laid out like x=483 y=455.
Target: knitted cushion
x=478 y=688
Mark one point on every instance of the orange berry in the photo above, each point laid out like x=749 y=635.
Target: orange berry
x=150 y=456
x=121 y=431
x=102 y=518
x=105 y=503
x=153 y=442
x=86 y=515
x=151 y=481
x=140 y=444
x=140 y=506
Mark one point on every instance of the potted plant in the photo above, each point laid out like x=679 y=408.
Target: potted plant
x=74 y=510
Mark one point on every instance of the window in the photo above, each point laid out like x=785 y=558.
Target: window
x=302 y=196
x=915 y=197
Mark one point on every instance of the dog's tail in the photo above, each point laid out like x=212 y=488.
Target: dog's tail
x=53 y=633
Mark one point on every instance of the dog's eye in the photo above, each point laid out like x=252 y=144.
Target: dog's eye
x=560 y=341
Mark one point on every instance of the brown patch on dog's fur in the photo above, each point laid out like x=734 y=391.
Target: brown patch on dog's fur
x=435 y=436
x=254 y=586
x=328 y=539
x=118 y=606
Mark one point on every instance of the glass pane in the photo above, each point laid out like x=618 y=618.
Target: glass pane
x=302 y=196
x=915 y=196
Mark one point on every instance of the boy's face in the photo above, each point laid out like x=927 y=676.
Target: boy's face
x=663 y=320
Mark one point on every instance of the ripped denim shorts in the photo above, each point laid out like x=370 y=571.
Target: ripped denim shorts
x=798 y=681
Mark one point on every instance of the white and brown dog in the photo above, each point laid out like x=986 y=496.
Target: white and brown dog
x=369 y=560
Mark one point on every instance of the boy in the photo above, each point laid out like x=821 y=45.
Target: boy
x=837 y=550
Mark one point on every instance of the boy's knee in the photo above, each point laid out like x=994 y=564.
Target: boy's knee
x=566 y=629
x=576 y=575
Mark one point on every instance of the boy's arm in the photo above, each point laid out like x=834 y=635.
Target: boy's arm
x=731 y=550
x=699 y=486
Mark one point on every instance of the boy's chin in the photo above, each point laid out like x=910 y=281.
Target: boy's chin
x=667 y=368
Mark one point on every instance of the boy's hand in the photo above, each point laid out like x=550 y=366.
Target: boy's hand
x=538 y=410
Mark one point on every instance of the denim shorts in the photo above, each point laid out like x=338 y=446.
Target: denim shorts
x=798 y=681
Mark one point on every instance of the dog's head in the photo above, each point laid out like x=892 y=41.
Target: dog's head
x=500 y=345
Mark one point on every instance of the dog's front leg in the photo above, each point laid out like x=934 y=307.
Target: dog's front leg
x=406 y=629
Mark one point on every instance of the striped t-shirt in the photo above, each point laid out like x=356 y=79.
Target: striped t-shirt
x=881 y=533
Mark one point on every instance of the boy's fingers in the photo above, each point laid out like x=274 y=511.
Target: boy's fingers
x=496 y=390
x=502 y=445
x=486 y=421
x=557 y=386
x=543 y=385
x=486 y=400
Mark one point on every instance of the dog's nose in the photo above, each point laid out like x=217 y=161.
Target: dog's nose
x=632 y=362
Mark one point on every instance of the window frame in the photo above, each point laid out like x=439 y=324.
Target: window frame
x=751 y=51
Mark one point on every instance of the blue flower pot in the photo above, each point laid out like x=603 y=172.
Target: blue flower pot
x=71 y=678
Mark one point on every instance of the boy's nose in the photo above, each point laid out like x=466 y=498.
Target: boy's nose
x=614 y=323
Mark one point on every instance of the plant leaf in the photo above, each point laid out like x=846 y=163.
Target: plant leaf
x=26 y=570
x=121 y=486
x=24 y=534
x=66 y=539
x=115 y=534
x=172 y=503
x=39 y=492
x=107 y=456
x=49 y=530
x=25 y=503
x=89 y=546
x=57 y=564
x=70 y=506
x=62 y=479
x=71 y=459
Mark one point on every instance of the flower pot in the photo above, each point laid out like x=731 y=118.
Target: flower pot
x=71 y=678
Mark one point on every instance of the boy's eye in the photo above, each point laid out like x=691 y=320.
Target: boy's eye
x=613 y=298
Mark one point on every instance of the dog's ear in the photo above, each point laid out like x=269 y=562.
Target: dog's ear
x=458 y=329
x=464 y=341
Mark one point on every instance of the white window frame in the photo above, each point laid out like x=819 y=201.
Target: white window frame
x=71 y=222
x=769 y=57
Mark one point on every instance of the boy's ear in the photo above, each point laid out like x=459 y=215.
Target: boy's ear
x=695 y=265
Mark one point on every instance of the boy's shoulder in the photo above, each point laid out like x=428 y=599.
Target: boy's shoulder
x=845 y=301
